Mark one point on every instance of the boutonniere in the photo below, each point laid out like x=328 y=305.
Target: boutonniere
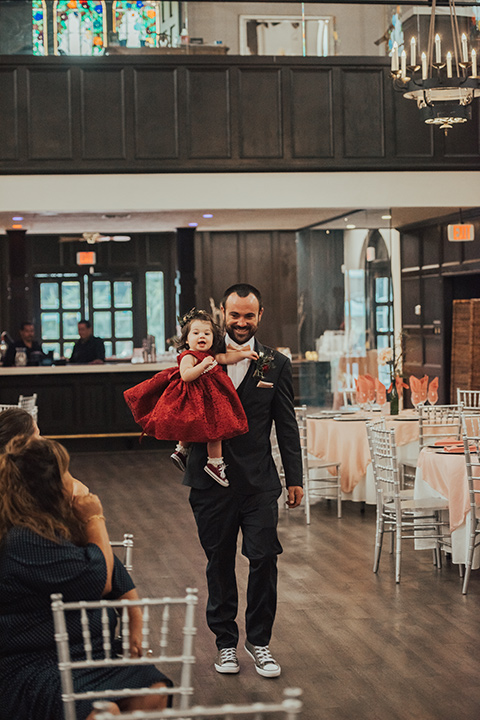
x=263 y=365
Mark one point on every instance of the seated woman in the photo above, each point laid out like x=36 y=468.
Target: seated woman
x=16 y=421
x=51 y=542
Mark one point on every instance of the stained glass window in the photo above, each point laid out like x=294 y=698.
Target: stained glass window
x=79 y=27
x=39 y=27
x=136 y=23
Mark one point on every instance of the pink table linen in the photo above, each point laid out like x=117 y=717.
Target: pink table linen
x=346 y=441
x=446 y=473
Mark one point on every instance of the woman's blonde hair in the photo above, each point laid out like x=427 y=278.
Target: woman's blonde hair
x=32 y=493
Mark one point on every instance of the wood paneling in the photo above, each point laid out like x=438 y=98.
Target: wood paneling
x=215 y=113
x=419 y=142
x=208 y=107
x=103 y=114
x=8 y=114
x=156 y=113
x=363 y=113
x=260 y=116
x=311 y=113
x=429 y=339
x=50 y=134
x=266 y=260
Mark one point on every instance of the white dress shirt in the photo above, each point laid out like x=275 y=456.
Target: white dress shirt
x=237 y=372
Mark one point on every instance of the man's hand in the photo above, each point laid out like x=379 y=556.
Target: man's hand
x=295 y=495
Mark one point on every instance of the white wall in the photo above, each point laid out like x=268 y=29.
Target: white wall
x=358 y=26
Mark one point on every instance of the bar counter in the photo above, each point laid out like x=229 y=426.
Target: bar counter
x=77 y=401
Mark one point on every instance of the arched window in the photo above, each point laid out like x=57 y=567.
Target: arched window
x=79 y=27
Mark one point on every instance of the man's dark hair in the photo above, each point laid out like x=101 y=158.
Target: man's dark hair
x=24 y=324
x=242 y=290
x=87 y=323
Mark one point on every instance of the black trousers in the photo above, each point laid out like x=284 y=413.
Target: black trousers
x=220 y=513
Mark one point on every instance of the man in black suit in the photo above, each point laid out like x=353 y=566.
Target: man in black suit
x=250 y=504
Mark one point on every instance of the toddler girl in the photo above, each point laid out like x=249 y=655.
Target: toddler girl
x=195 y=401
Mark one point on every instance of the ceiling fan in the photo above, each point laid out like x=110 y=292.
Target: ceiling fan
x=93 y=238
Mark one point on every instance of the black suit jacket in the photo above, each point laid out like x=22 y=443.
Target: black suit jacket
x=250 y=466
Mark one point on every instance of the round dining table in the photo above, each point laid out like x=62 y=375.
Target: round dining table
x=343 y=438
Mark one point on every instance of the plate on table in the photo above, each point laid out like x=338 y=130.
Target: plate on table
x=322 y=416
x=345 y=418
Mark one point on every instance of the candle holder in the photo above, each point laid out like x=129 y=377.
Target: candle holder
x=443 y=88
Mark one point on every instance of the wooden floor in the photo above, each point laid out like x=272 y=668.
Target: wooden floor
x=358 y=645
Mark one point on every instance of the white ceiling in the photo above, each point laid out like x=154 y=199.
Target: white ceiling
x=119 y=204
x=222 y=220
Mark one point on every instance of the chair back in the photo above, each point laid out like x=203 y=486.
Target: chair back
x=471 y=441
x=290 y=708
x=439 y=422
x=93 y=620
x=301 y=416
x=468 y=398
x=349 y=396
x=29 y=403
x=4 y=406
x=127 y=545
x=383 y=452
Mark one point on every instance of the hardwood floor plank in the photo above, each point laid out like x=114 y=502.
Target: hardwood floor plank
x=360 y=647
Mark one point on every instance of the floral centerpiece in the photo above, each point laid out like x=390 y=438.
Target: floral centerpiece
x=386 y=356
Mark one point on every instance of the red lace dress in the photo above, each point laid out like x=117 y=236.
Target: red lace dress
x=207 y=408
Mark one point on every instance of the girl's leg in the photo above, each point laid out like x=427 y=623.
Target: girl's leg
x=214 y=449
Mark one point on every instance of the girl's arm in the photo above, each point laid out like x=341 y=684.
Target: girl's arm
x=233 y=356
x=190 y=371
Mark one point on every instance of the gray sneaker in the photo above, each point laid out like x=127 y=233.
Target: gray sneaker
x=265 y=664
x=227 y=661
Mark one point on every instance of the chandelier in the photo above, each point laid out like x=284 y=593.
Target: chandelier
x=443 y=86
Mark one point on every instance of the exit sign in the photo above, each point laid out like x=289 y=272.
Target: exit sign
x=460 y=232
x=86 y=257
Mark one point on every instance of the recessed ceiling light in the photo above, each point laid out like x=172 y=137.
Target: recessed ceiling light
x=386 y=217
x=346 y=219
x=17 y=218
x=192 y=224
x=208 y=215
x=351 y=227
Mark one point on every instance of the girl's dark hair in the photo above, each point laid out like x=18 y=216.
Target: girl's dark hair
x=181 y=341
x=32 y=493
x=15 y=421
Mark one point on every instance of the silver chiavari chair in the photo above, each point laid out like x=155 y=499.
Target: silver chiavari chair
x=471 y=441
x=29 y=403
x=435 y=423
x=397 y=514
x=470 y=399
x=290 y=708
x=159 y=644
x=127 y=546
x=321 y=478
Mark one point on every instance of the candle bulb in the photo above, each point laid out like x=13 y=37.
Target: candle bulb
x=449 y=64
x=403 y=58
x=464 y=48
x=474 y=63
x=424 y=66
x=395 y=57
x=438 y=49
x=413 y=52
